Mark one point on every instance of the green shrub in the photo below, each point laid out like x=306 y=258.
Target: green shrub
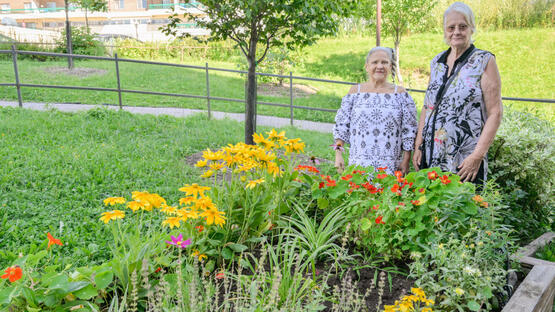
x=522 y=162
x=82 y=43
x=26 y=47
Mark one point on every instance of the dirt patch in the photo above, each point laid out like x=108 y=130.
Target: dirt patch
x=81 y=72
x=275 y=89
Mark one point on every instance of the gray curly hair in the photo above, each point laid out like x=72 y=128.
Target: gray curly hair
x=390 y=53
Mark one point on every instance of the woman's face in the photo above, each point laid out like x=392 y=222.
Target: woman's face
x=378 y=66
x=457 y=32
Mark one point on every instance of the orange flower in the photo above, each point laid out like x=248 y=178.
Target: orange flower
x=52 y=240
x=376 y=207
x=379 y=220
x=382 y=168
x=199 y=228
x=396 y=188
x=331 y=183
x=220 y=275
x=445 y=179
x=432 y=175
x=13 y=273
x=347 y=177
x=382 y=176
x=321 y=185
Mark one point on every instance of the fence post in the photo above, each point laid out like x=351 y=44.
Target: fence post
x=117 y=76
x=291 y=97
x=208 y=91
x=18 y=87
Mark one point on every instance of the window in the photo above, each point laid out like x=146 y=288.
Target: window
x=31 y=25
x=5 y=7
x=141 y=4
x=27 y=5
x=121 y=4
x=166 y=2
x=51 y=5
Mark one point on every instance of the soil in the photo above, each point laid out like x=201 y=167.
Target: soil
x=81 y=72
x=275 y=89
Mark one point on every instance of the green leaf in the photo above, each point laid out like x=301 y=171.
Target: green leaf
x=470 y=208
x=323 y=203
x=486 y=292
x=227 y=253
x=6 y=295
x=86 y=293
x=365 y=224
x=238 y=247
x=58 y=282
x=103 y=279
x=473 y=305
x=33 y=259
x=75 y=286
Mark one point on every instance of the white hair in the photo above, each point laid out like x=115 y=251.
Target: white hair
x=388 y=51
x=466 y=11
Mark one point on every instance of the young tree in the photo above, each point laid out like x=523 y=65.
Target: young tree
x=91 y=6
x=250 y=23
x=400 y=16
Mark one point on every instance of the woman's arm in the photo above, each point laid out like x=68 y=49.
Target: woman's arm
x=491 y=90
x=342 y=129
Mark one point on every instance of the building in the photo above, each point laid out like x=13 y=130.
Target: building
x=140 y=19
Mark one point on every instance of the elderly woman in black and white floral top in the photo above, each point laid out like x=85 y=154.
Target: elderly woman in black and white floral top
x=462 y=109
x=377 y=118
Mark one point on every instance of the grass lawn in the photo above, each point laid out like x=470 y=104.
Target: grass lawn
x=56 y=168
x=525 y=58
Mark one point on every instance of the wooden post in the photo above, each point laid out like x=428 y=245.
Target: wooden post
x=378 y=23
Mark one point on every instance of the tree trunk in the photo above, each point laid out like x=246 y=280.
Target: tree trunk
x=87 y=21
x=250 y=101
x=397 y=68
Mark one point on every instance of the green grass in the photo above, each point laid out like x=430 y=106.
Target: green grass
x=56 y=168
x=525 y=57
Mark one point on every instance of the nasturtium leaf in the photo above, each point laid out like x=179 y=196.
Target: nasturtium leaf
x=473 y=305
x=86 y=293
x=323 y=203
x=227 y=253
x=238 y=247
x=103 y=279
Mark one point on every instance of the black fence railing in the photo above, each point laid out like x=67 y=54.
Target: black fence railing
x=18 y=84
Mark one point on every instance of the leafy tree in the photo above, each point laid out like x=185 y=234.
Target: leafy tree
x=400 y=16
x=266 y=23
x=91 y=6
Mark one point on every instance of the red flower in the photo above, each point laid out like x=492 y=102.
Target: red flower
x=382 y=176
x=220 y=275
x=52 y=240
x=353 y=185
x=375 y=207
x=158 y=270
x=415 y=202
x=445 y=179
x=396 y=189
x=379 y=220
x=432 y=175
x=382 y=168
x=398 y=174
x=372 y=189
x=331 y=183
x=380 y=190
x=421 y=190
x=359 y=172
x=401 y=204
x=199 y=228
x=13 y=274
x=347 y=177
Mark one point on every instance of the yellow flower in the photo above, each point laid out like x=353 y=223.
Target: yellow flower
x=187 y=200
x=293 y=146
x=207 y=174
x=274 y=136
x=148 y=200
x=208 y=154
x=205 y=203
x=134 y=205
x=259 y=139
x=440 y=246
x=253 y=183
x=172 y=222
x=273 y=169
x=112 y=215
x=168 y=209
x=185 y=214
x=212 y=215
x=418 y=292
x=200 y=256
x=194 y=189
x=216 y=166
x=459 y=291
x=201 y=163
x=114 y=200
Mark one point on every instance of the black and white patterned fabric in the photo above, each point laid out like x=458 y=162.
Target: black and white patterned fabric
x=378 y=127
x=461 y=113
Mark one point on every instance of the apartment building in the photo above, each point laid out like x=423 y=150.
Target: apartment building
x=29 y=6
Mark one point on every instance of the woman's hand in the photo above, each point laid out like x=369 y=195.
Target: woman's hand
x=405 y=163
x=339 y=162
x=469 y=167
x=416 y=158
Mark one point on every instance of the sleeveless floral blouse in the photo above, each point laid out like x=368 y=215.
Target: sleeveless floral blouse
x=455 y=126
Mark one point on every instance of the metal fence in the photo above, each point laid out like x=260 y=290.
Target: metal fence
x=18 y=84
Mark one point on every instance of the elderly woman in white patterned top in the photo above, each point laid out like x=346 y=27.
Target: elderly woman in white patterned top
x=377 y=119
x=462 y=107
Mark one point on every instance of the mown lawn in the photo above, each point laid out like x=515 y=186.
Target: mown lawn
x=56 y=168
x=525 y=57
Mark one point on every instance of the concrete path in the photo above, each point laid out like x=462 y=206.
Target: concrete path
x=269 y=121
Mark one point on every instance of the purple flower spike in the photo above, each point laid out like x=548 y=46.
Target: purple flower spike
x=179 y=242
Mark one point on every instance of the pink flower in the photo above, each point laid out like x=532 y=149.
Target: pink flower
x=179 y=242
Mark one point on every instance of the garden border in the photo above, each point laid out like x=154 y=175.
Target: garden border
x=537 y=292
